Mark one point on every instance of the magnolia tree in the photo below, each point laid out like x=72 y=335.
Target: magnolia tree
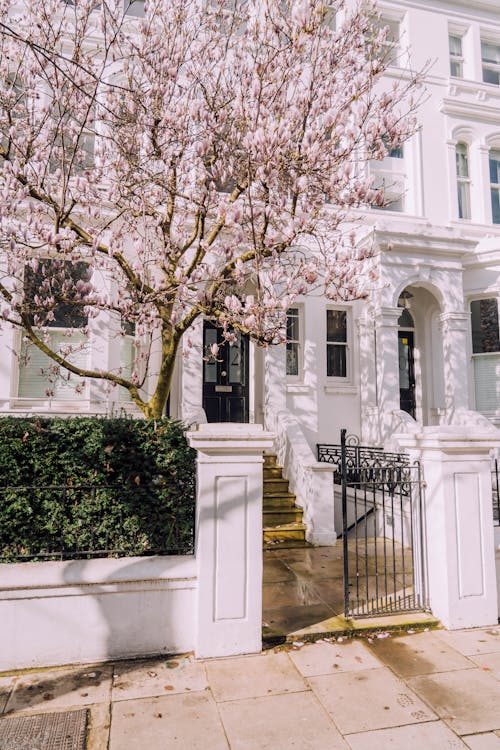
x=200 y=161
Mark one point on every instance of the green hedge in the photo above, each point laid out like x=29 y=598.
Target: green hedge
x=86 y=487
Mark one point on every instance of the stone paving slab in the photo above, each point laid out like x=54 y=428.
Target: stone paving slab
x=286 y=620
x=61 y=688
x=176 y=722
x=275 y=571
x=468 y=700
x=487 y=741
x=288 y=593
x=98 y=726
x=280 y=722
x=369 y=699
x=488 y=663
x=253 y=676
x=433 y=735
x=409 y=656
x=331 y=658
x=150 y=678
x=470 y=642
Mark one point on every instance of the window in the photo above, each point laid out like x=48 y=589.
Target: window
x=456 y=56
x=293 y=342
x=127 y=357
x=486 y=354
x=134 y=8
x=490 y=54
x=484 y=324
x=39 y=375
x=390 y=177
x=463 y=181
x=495 y=185
x=391 y=44
x=336 y=343
x=396 y=153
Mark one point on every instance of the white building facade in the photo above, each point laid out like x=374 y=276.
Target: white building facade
x=424 y=348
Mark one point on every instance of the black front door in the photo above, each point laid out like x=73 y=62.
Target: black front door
x=406 y=372
x=225 y=377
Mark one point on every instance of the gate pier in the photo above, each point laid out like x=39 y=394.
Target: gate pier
x=458 y=523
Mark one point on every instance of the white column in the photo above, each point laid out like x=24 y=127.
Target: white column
x=482 y=194
x=229 y=537
x=458 y=523
x=274 y=384
x=386 y=368
x=192 y=375
x=454 y=327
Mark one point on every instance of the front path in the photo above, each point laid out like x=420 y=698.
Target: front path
x=429 y=690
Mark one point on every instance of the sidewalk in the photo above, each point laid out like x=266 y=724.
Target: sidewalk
x=431 y=690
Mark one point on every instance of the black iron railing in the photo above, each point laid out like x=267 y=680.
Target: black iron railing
x=64 y=522
x=496 y=493
x=367 y=464
x=382 y=533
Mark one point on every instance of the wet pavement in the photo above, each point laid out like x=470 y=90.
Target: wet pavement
x=431 y=690
x=304 y=587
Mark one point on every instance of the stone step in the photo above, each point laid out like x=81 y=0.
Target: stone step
x=285 y=532
x=274 y=545
x=269 y=461
x=279 y=500
x=272 y=472
x=278 y=516
x=273 y=486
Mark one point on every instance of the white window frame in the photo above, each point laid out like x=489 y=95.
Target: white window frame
x=481 y=356
x=299 y=377
x=57 y=330
x=456 y=59
x=486 y=65
x=66 y=399
x=463 y=182
x=392 y=45
x=348 y=377
x=494 y=186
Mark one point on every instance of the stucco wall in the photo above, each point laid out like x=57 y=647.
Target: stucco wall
x=93 y=610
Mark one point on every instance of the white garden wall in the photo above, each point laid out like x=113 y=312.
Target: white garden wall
x=497 y=561
x=85 y=611
x=93 y=610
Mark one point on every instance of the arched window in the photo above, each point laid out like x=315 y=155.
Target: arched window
x=463 y=180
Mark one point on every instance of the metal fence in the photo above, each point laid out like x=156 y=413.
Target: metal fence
x=64 y=522
x=382 y=531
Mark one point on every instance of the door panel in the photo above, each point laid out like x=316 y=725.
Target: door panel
x=225 y=378
x=406 y=372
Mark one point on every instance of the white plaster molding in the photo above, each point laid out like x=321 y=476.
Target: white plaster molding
x=298 y=388
x=341 y=390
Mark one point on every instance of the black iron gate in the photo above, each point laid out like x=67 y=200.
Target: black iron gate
x=382 y=528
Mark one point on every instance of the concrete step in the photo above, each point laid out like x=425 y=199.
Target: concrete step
x=273 y=472
x=278 y=517
x=269 y=461
x=273 y=486
x=285 y=531
x=274 y=545
x=279 y=500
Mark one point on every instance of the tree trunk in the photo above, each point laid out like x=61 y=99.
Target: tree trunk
x=155 y=407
